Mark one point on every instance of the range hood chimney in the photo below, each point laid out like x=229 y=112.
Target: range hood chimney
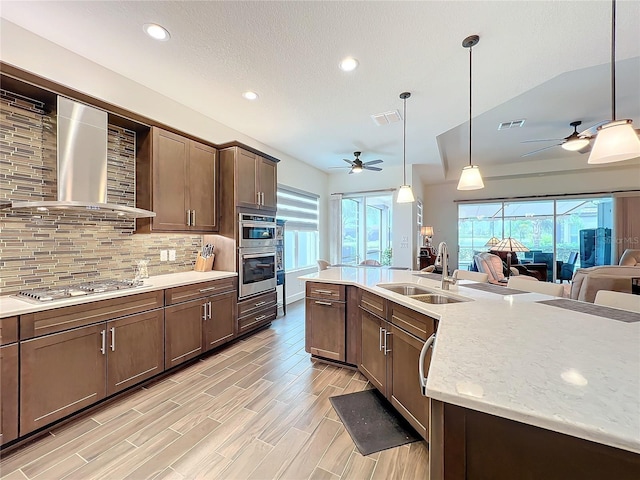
x=82 y=165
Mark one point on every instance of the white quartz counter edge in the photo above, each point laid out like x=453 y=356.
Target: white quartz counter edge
x=586 y=424
x=10 y=306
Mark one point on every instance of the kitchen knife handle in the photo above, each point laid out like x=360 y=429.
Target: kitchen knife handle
x=113 y=339
x=209 y=310
x=188 y=218
x=103 y=348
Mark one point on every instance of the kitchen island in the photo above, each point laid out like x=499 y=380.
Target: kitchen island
x=567 y=374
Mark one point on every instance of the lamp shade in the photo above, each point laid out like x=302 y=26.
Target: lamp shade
x=405 y=195
x=509 y=245
x=615 y=142
x=492 y=241
x=470 y=178
x=427 y=231
x=575 y=144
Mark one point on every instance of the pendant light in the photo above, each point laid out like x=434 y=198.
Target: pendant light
x=616 y=140
x=405 y=195
x=470 y=179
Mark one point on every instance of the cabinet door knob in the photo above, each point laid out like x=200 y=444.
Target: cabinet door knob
x=113 y=339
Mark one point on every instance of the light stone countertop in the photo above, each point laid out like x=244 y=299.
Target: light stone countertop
x=10 y=305
x=509 y=356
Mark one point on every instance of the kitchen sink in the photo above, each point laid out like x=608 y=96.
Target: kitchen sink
x=422 y=294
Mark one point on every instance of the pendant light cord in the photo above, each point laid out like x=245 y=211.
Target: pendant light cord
x=470 y=117
x=613 y=60
x=404 y=143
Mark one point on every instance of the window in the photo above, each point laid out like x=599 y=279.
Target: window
x=366 y=228
x=553 y=230
x=300 y=211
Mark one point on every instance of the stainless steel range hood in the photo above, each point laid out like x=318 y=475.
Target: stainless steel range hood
x=82 y=165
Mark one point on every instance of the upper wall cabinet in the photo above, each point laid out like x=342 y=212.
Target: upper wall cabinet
x=254 y=178
x=177 y=178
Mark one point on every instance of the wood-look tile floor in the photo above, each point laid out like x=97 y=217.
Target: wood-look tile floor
x=257 y=409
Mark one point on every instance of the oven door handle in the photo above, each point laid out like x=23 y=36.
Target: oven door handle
x=257 y=255
x=258 y=224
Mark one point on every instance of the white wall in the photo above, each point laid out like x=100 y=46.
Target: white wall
x=32 y=53
x=441 y=211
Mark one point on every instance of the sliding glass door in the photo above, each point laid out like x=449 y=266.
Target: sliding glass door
x=366 y=229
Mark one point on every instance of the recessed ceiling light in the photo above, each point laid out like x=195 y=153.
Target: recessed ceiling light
x=249 y=95
x=156 y=32
x=348 y=64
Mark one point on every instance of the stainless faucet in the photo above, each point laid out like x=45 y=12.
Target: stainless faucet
x=442 y=260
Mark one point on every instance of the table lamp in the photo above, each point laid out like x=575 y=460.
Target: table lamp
x=509 y=245
x=427 y=233
x=492 y=242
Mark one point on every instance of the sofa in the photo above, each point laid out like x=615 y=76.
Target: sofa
x=587 y=282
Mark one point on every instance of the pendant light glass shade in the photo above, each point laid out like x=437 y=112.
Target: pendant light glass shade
x=616 y=141
x=470 y=178
x=405 y=195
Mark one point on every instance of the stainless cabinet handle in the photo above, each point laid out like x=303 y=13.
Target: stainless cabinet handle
x=258 y=196
x=386 y=335
x=193 y=218
x=188 y=218
x=259 y=304
x=103 y=348
x=380 y=343
x=328 y=304
x=324 y=292
x=423 y=355
x=262 y=198
x=204 y=316
x=203 y=290
x=209 y=310
x=261 y=317
x=113 y=339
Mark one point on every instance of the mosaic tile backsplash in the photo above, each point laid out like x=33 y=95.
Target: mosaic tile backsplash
x=54 y=249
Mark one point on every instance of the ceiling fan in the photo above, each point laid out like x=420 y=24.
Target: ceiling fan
x=357 y=165
x=575 y=142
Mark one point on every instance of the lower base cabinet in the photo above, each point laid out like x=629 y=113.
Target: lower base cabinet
x=8 y=393
x=183 y=337
x=64 y=372
x=255 y=312
x=219 y=326
x=373 y=363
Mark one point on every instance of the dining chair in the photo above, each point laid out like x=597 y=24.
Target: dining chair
x=624 y=301
x=370 y=262
x=323 y=264
x=530 y=284
x=467 y=275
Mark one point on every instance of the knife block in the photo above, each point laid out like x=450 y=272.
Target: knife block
x=204 y=264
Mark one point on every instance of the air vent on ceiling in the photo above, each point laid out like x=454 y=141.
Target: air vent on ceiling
x=513 y=124
x=386 y=118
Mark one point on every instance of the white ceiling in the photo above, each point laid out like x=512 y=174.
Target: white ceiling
x=546 y=62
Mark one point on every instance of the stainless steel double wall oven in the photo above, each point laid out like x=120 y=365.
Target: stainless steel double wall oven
x=256 y=254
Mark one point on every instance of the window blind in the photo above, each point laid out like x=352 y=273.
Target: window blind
x=299 y=209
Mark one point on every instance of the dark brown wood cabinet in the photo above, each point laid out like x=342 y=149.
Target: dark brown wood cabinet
x=253 y=176
x=325 y=321
x=219 y=327
x=60 y=374
x=8 y=392
x=177 y=178
x=135 y=349
x=198 y=317
x=373 y=363
x=256 y=312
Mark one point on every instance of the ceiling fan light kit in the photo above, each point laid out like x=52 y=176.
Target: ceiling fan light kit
x=405 y=195
x=470 y=178
x=617 y=140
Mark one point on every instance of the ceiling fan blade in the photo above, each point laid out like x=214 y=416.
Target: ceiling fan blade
x=586 y=149
x=350 y=162
x=540 y=150
x=592 y=130
x=375 y=169
x=544 y=140
x=341 y=168
x=373 y=162
x=350 y=171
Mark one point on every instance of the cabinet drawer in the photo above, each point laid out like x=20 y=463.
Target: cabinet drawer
x=260 y=302
x=199 y=290
x=419 y=325
x=373 y=303
x=325 y=290
x=256 y=319
x=8 y=330
x=65 y=318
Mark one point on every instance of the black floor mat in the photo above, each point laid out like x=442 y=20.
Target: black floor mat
x=372 y=422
